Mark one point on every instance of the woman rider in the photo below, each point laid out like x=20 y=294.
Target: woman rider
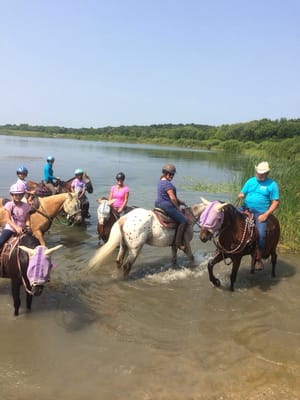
x=120 y=194
x=168 y=201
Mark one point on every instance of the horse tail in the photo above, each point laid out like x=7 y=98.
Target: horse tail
x=105 y=251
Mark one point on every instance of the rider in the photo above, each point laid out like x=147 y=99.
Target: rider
x=261 y=196
x=17 y=214
x=78 y=186
x=49 y=178
x=168 y=201
x=119 y=193
x=22 y=173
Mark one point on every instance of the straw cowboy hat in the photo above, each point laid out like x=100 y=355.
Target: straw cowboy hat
x=262 y=168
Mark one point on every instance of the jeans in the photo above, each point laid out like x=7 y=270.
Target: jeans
x=174 y=213
x=261 y=228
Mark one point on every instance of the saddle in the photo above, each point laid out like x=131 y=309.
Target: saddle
x=6 y=253
x=164 y=219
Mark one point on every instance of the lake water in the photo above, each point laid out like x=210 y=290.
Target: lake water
x=165 y=333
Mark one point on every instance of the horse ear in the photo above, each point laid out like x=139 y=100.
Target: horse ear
x=50 y=251
x=206 y=202
x=220 y=206
x=28 y=250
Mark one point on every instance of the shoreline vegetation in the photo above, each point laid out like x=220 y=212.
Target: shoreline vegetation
x=277 y=141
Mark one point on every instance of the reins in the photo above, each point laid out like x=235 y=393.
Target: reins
x=194 y=220
x=20 y=269
x=249 y=226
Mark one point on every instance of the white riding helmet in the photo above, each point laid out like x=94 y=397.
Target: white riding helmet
x=17 y=188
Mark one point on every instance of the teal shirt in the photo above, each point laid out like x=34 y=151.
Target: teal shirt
x=260 y=194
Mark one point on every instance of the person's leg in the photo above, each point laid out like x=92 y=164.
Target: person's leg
x=262 y=234
x=5 y=235
x=183 y=223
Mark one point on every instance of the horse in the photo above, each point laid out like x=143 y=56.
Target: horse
x=26 y=263
x=48 y=208
x=235 y=236
x=107 y=216
x=41 y=190
x=140 y=227
x=62 y=186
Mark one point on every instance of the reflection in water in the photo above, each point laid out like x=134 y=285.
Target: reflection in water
x=165 y=333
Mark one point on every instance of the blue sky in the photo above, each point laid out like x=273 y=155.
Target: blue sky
x=96 y=63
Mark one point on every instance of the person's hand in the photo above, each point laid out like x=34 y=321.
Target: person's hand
x=262 y=217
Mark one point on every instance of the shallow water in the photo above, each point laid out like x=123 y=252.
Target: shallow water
x=165 y=333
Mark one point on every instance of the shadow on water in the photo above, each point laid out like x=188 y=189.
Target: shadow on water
x=262 y=280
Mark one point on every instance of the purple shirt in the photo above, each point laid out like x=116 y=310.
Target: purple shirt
x=163 y=198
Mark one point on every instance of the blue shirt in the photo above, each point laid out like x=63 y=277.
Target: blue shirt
x=260 y=194
x=163 y=199
x=48 y=172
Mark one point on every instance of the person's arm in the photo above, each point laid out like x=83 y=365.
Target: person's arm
x=173 y=198
x=14 y=226
x=273 y=206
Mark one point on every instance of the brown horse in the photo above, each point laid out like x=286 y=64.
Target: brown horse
x=62 y=186
x=235 y=236
x=41 y=190
x=48 y=208
x=26 y=263
x=107 y=216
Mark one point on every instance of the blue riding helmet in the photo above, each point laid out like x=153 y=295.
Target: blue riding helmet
x=50 y=158
x=22 y=170
x=78 y=171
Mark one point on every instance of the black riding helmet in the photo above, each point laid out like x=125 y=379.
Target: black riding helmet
x=120 y=176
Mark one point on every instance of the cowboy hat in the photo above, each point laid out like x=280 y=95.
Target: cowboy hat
x=262 y=168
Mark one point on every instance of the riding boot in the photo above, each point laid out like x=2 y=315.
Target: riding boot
x=179 y=240
x=258 y=263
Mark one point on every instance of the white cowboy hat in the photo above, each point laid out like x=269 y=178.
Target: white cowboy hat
x=262 y=168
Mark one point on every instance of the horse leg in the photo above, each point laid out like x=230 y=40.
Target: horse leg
x=28 y=301
x=273 y=261
x=235 y=267
x=188 y=251
x=121 y=254
x=174 y=254
x=132 y=256
x=253 y=259
x=210 y=267
x=15 y=290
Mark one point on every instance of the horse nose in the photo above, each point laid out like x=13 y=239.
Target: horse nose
x=37 y=290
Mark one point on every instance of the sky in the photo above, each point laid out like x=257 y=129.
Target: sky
x=97 y=63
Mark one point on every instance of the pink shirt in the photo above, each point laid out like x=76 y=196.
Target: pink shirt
x=119 y=195
x=18 y=214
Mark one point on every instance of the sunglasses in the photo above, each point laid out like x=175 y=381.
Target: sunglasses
x=170 y=174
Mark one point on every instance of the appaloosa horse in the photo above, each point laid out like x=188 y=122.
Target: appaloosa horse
x=140 y=227
x=26 y=263
x=235 y=236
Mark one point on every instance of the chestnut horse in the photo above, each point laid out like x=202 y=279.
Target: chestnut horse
x=107 y=216
x=26 y=263
x=46 y=209
x=140 y=227
x=235 y=236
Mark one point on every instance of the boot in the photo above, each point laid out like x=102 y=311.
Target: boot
x=179 y=240
x=259 y=266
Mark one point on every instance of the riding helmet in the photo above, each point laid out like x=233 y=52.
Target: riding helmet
x=50 y=158
x=78 y=171
x=17 y=188
x=169 y=168
x=22 y=170
x=120 y=176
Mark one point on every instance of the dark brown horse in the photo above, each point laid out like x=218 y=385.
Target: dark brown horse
x=235 y=236
x=107 y=216
x=26 y=263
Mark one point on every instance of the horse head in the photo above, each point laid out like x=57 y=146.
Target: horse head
x=211 y=220
x=72 y=208
x=39 y=267
x=88 y=183
x=104 y=209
